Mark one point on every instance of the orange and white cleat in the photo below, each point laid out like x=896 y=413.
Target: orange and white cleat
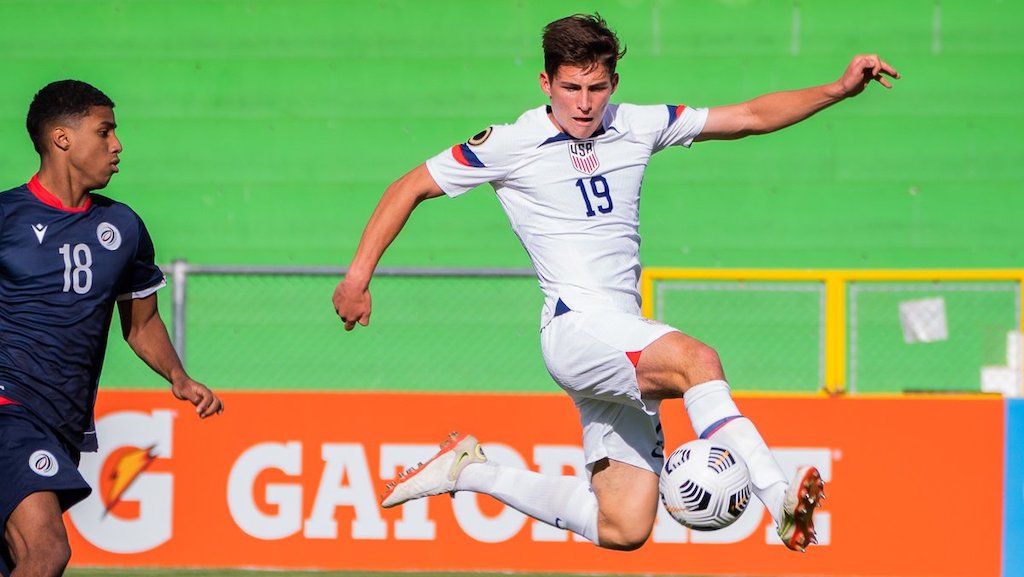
x=436 y=476
x=803 y=496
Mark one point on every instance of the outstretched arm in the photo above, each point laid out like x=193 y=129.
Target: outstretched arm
x=146 y=334
x=777 y=110
x=352 y=295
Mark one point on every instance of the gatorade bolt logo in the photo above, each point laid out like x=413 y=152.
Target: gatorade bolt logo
x=121 y=471
x=130 y=510
x=43 y=463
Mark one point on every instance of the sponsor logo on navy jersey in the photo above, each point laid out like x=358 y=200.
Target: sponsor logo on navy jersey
x=43 y=463
x=108 y=236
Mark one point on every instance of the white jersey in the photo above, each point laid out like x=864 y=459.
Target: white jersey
x=574 y=204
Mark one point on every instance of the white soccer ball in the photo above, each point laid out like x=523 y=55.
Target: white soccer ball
x=704 y=485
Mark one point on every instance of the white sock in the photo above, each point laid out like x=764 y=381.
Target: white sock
x=560 y=501
x=713 y=413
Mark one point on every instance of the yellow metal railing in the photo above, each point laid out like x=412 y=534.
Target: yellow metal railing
x=836 y=283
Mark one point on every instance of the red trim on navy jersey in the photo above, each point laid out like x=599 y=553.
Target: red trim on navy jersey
x=6 y=401
x=634 y=357
x=46 y=197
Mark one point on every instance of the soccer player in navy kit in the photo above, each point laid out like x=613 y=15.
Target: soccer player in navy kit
x=66 y=256
x=568 y=176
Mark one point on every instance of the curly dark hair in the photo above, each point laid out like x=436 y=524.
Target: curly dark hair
x=582 y=40
x=59 y=101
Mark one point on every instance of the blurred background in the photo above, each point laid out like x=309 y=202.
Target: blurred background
x=261 y=133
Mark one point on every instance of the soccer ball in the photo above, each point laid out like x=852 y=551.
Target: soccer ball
x=704 y=485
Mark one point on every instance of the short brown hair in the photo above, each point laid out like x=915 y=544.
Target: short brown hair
x=582 y=40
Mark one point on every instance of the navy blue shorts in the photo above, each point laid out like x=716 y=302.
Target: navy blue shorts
x=33 y=459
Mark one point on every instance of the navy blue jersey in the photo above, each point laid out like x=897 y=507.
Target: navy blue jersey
x=61 y=272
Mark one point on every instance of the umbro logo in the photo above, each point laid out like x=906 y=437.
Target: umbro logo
x=40 y=230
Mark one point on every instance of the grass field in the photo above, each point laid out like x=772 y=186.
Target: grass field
x=83 y=572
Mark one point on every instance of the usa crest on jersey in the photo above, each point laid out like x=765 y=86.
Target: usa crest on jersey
x=584 y=156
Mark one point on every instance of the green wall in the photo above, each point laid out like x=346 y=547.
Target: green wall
x=262 y=132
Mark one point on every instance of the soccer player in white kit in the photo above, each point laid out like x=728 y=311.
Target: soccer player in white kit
x=568 y=175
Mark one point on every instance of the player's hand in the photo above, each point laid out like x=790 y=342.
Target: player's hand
x=862 y=70
x=353 y=304
x=205 y=402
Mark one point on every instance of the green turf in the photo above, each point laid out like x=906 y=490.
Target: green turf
x=83 y=572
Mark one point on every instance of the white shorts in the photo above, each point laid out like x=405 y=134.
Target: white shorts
x=589 y=356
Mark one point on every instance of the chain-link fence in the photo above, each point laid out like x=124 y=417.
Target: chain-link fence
x=275 y=328
x=935 y=336
x=769 y=335
x=477 y=330
x=856 y=331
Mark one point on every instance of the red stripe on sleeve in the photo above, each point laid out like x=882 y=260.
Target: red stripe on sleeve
x=459 y=157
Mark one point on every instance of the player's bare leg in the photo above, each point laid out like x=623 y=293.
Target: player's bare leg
x=677 y=365
x=627 y=499
x=37 y=538
x=673 y=364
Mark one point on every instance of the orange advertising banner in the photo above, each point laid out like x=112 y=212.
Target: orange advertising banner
x=289 y=480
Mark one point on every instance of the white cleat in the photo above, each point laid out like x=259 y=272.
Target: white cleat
x=803 y=496
x=436 y=476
